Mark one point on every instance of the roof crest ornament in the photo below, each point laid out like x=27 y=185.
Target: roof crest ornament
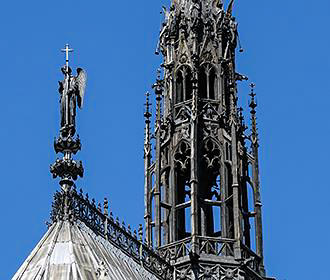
x=72 y=91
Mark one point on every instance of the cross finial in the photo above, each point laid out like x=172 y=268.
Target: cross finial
x=147 y=114
x=67 y=50
x=253 y=103
x=252 y=86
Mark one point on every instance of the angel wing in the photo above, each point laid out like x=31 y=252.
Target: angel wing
x=81 y=81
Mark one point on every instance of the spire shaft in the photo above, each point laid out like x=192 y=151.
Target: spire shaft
x=256 y=180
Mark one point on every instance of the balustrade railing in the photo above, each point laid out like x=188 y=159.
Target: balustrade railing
x=175 y=250
x=73 y=206
x=207 y=245
x=216 y=246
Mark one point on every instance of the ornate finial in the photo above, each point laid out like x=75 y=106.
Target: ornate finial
x=240 y=115
x=158 y=86
x=140 y=232
x=72 y=91
x=99 y=207
x=147 y=114
x=106 y=206
x=253 y=105
x=67 y=50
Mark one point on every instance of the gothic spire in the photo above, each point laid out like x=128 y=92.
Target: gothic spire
x=197 y=187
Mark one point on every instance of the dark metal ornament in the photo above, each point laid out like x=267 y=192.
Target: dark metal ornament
x=72 y=92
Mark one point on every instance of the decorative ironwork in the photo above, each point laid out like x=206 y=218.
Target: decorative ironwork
x=207 y=245
x=216 y=246
x=175 y=250
x=69 y=205
x=72 y=91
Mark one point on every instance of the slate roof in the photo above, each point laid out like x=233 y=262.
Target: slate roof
x=82 y=242
x=73 y=251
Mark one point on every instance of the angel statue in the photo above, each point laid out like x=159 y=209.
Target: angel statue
x=72 y=91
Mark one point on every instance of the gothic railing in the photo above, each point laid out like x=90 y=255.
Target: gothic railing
x=216 y=246
x=73 y=206
x=207 y=245
x=252 y=260
x=175 y=250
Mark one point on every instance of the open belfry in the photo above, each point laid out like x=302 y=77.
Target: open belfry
x=203 y=209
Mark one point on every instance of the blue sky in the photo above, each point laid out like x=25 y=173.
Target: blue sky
x=286 y=54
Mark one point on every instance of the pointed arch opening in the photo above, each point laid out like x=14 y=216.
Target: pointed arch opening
x=183 y=84
x=207 y=82
x=212 y=83
x=179 y=86
x=183 y=190
x=211 y=189
x=188 y=82
x=202 y=83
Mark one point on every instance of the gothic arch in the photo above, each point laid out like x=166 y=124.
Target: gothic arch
x=183 y=83
x=182 y=190
x=208 y=81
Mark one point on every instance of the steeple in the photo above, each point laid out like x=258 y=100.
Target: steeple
x=203 y=205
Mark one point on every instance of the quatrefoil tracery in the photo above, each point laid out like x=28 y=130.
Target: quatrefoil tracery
x=182 y=156
x=211 y=154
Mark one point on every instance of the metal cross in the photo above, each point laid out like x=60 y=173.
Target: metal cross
x=67 y=50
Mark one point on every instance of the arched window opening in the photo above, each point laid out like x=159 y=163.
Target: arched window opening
x=164 y=226
x=229 y=203
x=188 y=221
x=183 y=207
x=179 y=86
x=216 y=210
x=184 y=87
x=189 y=87
x=182 y=182
x=212 y=83
x=202 y=83
x=187 y=191
x=207 y=82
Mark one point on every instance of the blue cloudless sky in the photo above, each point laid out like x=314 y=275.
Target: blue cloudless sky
x=286 y=54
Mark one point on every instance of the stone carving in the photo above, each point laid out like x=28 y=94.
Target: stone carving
x=72 y=91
